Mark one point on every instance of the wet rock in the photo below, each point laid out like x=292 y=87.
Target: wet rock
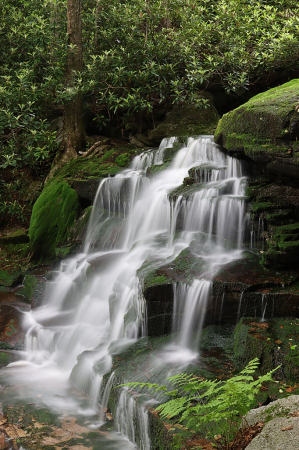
x=186 y=121
x=274 y=215
x=274 y=342
x=242 y=288
x=86 y=190
x=29 y=285
x=11 y=331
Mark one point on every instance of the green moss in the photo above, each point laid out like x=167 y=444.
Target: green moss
x=123 y=160
x=261 y=206
x=4 y=359
x=19 y=236
x=283 y=247
x=256 y=125
x=54 y=213
x=152 y=279
x=85 y=168
x=274 y=343
x=7 y=278
x=30 y=283
x=278 y=215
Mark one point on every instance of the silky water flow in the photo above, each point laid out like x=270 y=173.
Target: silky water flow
x=93 y=305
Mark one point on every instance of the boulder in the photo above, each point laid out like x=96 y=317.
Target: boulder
x=282 y=428
x=186 y=120
x=53 y=214
x=266 y=129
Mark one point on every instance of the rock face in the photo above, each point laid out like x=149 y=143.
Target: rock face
x=266 y=129
x=186 y=121
x=241 y=288
x=274 y=342
x=282 y=428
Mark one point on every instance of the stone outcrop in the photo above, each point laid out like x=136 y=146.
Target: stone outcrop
x=273 y=341
x=186 y=121
x=266 y=129
x=282 y=425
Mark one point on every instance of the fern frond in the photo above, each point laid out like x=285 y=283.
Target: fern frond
x=173 y=407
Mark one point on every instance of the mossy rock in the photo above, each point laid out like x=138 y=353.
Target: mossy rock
x=283 y=247
x=17 y=237
x=274 y=343
x=187 y=120
x=28 y=289
x=264 y=125
x=9 y=278
x=54 y=213
x=123 y=160
x=93 y=166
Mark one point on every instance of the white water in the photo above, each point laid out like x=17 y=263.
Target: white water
x=94 y=306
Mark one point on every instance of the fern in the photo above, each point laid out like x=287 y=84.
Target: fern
x=207 y=405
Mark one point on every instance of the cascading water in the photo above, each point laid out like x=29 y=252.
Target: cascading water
x=94 y=307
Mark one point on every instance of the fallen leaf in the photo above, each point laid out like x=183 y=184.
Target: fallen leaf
x=287 y=428
x=263 y=388
x=295 y=414
x=14 y=432
x=278 y=342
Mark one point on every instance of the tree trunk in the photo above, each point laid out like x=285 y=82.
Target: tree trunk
x=74 y=135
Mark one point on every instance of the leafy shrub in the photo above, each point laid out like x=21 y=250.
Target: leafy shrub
x=137 y=57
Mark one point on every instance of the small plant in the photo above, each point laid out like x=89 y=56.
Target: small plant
x=212 y=408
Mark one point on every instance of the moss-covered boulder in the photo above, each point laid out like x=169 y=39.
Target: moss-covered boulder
x=186 y=121
x=54 y=213
x=266 y=128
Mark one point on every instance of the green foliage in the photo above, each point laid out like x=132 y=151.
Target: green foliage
x=137 y=56
x=205 y=405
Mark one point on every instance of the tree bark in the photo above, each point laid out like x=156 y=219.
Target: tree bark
x=74 y=134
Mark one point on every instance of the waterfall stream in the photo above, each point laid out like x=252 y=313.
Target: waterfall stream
x=94 y=306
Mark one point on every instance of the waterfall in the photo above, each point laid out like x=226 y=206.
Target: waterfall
x=94 y=305
x=132 y=420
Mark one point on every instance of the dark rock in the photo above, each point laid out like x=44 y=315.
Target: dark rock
x=274 y=342
x=186 y=121
x=17 y=237
x=266 y=129
x=241 y=288
x=11 y=332
x=86 y=190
